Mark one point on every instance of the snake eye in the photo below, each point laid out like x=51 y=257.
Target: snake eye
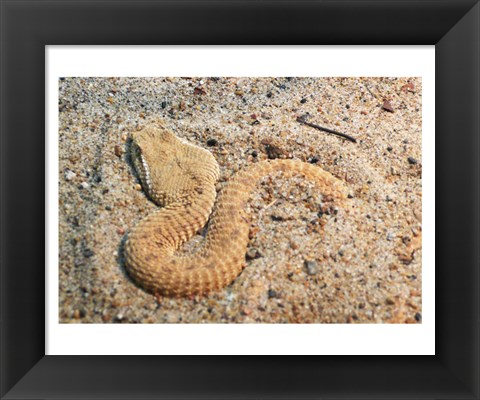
x=137 y=152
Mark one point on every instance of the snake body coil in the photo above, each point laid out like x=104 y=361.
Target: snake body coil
x=181 y=177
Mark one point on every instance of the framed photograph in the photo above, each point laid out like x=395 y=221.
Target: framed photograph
x=240 y=179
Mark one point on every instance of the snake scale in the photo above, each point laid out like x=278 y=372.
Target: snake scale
x=181 y=177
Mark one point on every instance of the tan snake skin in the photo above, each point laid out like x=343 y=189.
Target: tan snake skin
x=181 y=177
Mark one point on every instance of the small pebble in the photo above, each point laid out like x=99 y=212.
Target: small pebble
x=138 y=187
x=254 y=153
x=390 y=237
x=88 y=253
x=118 y=150
x=272 y=294
x=164 y=104
x=199 y=91
x=409 y=87
x=246 y=311
x=273 y=151
x=84 y=185
x=69 y=175
x=276 y=217
x=387 y=106
x=252 y=254
x=314 y=160
x=212 y=142
x=412 y=160
x=79 y=313
x=312 y=267
x=239 y=92
x=418 y=317
x=303 y=101
x=389 y=148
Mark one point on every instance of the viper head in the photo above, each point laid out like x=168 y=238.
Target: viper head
x=169 y=168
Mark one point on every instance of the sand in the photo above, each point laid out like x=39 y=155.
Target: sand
x=360 y=263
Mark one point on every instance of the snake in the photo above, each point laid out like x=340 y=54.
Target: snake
x=180 y=177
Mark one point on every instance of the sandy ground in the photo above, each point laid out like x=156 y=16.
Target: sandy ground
x=360 y=263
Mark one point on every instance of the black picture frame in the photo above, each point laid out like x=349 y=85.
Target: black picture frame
x=453 y=26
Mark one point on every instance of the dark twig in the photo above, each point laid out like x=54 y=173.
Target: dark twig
x=321 y=128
